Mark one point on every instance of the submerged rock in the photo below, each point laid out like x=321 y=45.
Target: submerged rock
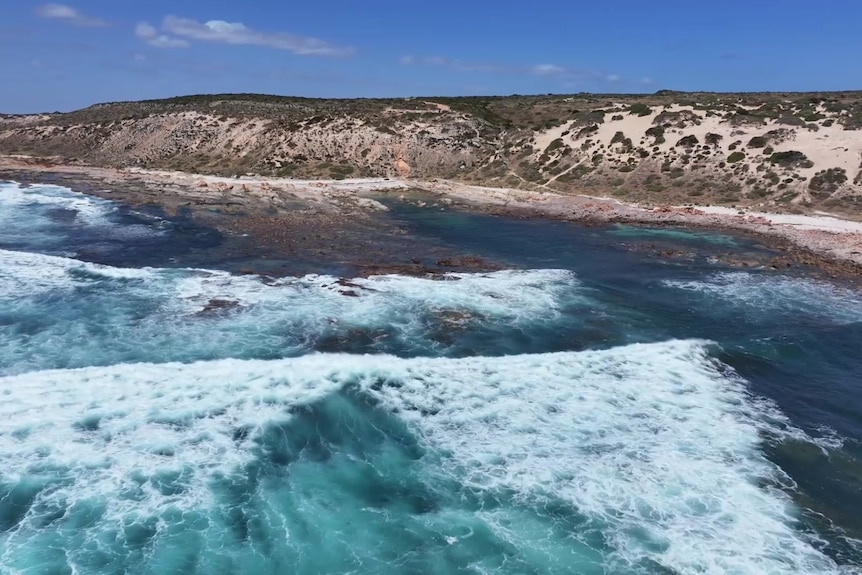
x=456 y=319
x=218 y=305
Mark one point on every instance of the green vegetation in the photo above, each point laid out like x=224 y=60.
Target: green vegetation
x=591 y=129
x=689 y=141
x=827 y=181
x=852 y=121
x=713 y=139
x=554 y=145
x=745 y=119
x=531 y=173
x=757 y=142
x=791 y=159
x=285 y=170
x=639 y=109
x=590 y=117
x=680 y=119
x=735 y=157
x=790 y=120
x=779 y=135
x=656 y=132
x=575 y=173
x=786 y=197
x=620 y=138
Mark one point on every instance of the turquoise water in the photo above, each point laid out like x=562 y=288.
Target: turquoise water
x=639 y=232
x=590 y=409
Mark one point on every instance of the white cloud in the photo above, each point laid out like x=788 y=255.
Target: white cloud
x=646 y=80
x=68 y=14
x=163 y=41
x=149 y=34
x=547 y=69
x=237 y=33
x=572 y=77
x=57 y=11
x=146 y=30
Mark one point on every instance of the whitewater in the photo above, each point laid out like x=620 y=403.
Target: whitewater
x=571 y=414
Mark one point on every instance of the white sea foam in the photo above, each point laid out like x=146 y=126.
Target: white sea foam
x=507 y=294
x=25 y=274
x=656 y=445
x=513 y=295
x=88 y=208
x=119 y=315
x=770 y=294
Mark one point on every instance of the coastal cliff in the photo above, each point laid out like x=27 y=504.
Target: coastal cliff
x=784 y=152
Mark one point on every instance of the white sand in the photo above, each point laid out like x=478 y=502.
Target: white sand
x=828 y=147
x=823 y=223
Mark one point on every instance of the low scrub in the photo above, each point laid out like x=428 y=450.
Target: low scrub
x=639 y=109
x=791 y=159
x=656 y=132
x=790 y=120
x=688 y=141
x=575 y=173
x=620 y=138
x=680 y=119
x=827 y=181
x=713 y=139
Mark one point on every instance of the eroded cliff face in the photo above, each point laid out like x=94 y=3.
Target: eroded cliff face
x=781 y=150
x=208 y=143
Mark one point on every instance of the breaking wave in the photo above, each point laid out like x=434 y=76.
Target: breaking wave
x=638 y=459
x=778 y=296
x=121 y=315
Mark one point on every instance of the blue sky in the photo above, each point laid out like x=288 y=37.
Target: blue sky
x=68 y=55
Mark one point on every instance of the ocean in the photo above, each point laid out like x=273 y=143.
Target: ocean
x=595 y=407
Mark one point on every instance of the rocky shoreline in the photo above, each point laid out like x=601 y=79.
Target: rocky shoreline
x=275 y=220
x=819 y=241
x=281 y=230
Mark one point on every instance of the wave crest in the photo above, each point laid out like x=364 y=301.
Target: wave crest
x=653 y=447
